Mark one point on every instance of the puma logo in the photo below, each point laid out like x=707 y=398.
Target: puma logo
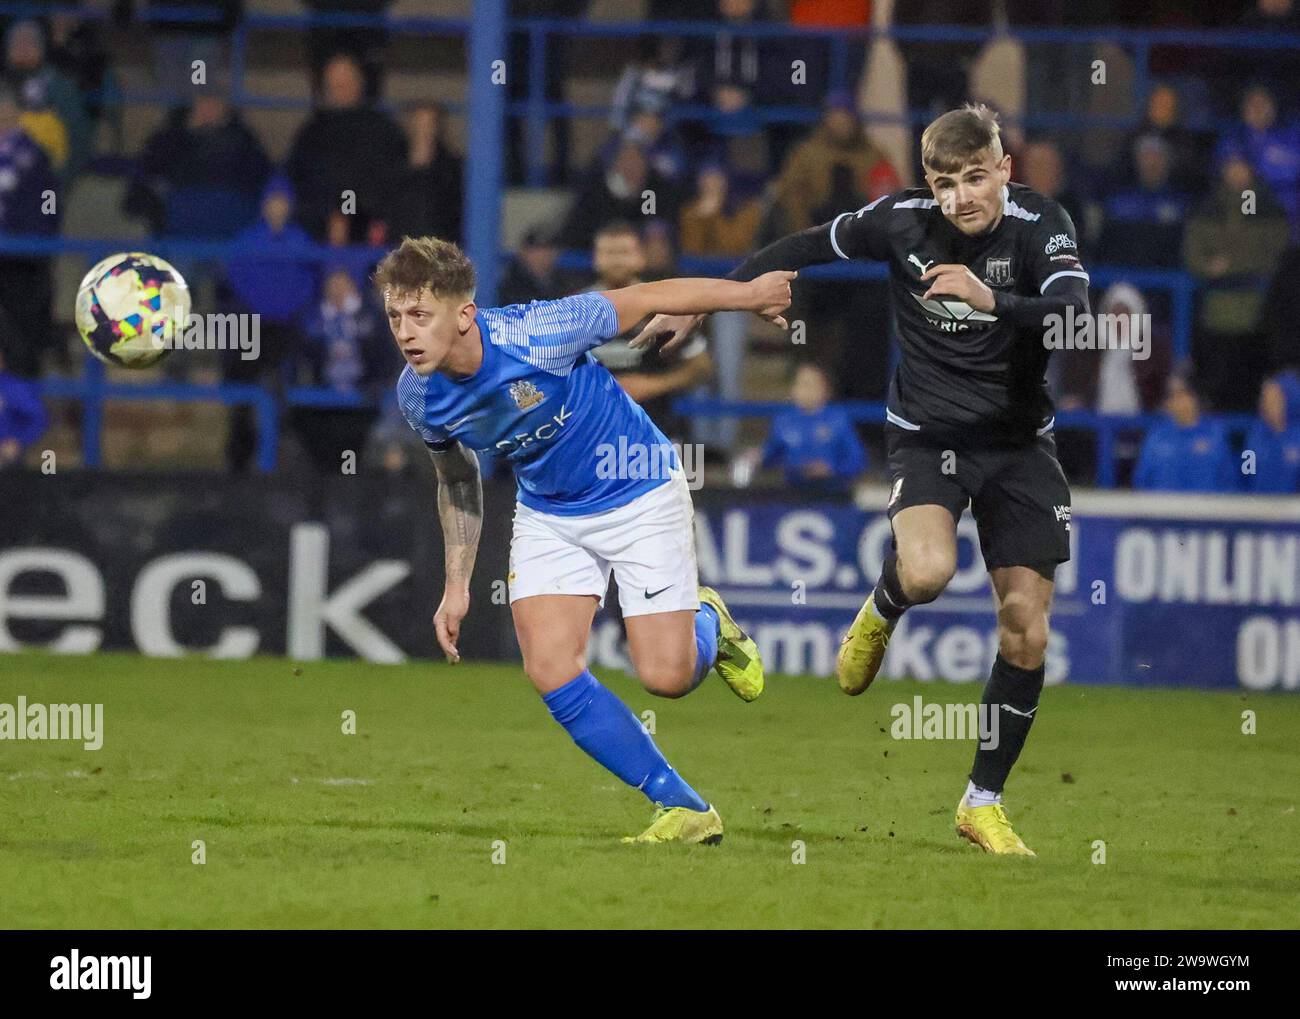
x=917 y=262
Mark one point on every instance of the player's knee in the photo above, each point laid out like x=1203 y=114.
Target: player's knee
x=666 y=677
x=1022 y=633
x=924 y=573
x=553 y=672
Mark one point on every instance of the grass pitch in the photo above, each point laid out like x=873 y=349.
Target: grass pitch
x=395 y=826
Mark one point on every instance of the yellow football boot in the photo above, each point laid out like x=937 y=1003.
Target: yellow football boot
x=738 y=662
x=681 y=824
x=863 y=649
x=990 y=829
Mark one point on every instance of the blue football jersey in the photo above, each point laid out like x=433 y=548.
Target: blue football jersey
x=577 y=442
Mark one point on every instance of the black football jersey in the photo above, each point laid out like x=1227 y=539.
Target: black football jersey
x=967 y=376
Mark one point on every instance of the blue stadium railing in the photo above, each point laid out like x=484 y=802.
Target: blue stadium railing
x=93 y=389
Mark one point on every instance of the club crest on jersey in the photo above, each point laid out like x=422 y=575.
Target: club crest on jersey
x=997 y=272
x=525 y=394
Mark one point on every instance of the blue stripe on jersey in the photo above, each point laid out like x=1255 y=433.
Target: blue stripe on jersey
x=576 y=440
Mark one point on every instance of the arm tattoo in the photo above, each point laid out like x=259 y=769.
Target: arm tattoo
x=460 y=509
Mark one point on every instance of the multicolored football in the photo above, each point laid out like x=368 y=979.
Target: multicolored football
x=131 y=308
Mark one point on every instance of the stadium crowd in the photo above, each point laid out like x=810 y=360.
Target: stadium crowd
x=1167 y=194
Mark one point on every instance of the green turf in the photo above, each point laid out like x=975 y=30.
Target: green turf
x=394 y=826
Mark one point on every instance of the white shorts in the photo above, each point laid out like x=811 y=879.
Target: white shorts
x=648 y=543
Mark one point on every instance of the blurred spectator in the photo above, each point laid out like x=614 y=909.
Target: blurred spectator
x=819 y=53
x=532 y=274
x=731 y=69
x=366 y=45
x=938 y=73
x=1186 y=452
x=658 y=78
x=616 y=192
x=660 y=254
x=1232 y=254
x=813 y=442
x=22 y=414
x=346 y=146
x=1274 y=438
x=178 y=43
x=268 y=278
x=662 y=146
x=1111 y=379
x=1143 y=226
x=1114 y=381
x=266 y=273
x=1188 y=150
x=734 y=132
x=26 y=287
x=1271 y=148
x=429 y=196
x=732 y=60
x=347 y=351
x=78 y=50
x=54 y=112
x=721 y=220
x=200 y=174
x=651 y=379
x=1040 y=165
x=837 y=167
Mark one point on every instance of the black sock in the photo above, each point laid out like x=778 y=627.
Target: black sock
x=1012 y=692
x=890 y=601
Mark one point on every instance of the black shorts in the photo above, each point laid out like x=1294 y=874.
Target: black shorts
x=1018 y=495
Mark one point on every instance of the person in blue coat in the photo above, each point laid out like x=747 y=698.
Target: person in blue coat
x=815 y=443
x=1274 y=438
x=268 y=276
x=22 y=415
x=1187 y=452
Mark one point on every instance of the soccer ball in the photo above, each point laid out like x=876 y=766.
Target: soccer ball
x=131 y=307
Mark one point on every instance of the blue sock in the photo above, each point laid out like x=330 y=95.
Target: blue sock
x=706 y=641
x=608 y=731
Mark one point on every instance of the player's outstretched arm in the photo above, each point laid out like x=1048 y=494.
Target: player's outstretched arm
x=768 y=295
x=460 y=510
x=814 y=246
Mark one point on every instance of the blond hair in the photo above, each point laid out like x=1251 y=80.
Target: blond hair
x=955 y=139
x=426 y=263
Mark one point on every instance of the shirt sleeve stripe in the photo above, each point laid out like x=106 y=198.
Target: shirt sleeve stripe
x=834 y=244
x=1064 y=272
x=551 y=335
